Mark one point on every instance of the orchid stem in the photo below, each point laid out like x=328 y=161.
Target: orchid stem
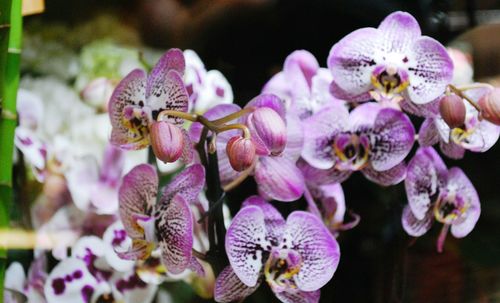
x=475 y=86
x=442 y=237
x=212 y=208
x=311 y=203
x=230 y=186
x=233 y=116
x=242 y=127
x=199 y=255
x=462 y=95
x=10 y=57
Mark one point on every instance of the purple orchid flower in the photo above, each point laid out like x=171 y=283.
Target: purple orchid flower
x=371 y=139
x=303 y=84
x=139 y=98
x=476 y=135
x=167 y=224
x=277 y=176
x=296 y=257
x=390 y=63
x=438 y=194
x=96 y=188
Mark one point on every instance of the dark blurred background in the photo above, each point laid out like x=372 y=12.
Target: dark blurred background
x=248 y=40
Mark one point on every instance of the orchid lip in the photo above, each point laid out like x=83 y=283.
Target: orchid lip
x=280 y=268
x=352 y=150
x=450 y=208
x=389 y=79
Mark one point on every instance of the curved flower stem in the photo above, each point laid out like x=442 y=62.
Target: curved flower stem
x=230 y=186
x=233 y=116
x=243 y=127
x=311 y=203
x=442 y=237
x=475 y=86
x=199 y=255
x=463 y=96
x=174 y=113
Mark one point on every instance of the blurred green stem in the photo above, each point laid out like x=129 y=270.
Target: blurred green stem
x=10 y=53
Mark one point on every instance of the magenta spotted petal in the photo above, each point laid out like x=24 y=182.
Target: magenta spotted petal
x=137 y=197
x=229 y=288
x=388 y=177
x=188 y=184
x=245 y=244
x=273 y=219
x=299 y=296
x=394 y=135
x=413 y=226
x=426 y=173
x=174 y=231
x=318 y=249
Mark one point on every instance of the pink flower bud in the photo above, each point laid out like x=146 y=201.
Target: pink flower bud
x=490 y=106
x=167 y=141
x=268 y=131
x=452 y=109
x=241 y=153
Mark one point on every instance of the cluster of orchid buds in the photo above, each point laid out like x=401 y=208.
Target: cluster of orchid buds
x=308 y=131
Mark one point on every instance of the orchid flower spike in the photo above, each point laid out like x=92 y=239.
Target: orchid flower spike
x=390 y=63
x=436 y=193
x=166 y=224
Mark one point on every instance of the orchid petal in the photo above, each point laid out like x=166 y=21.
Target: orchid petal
x=294 y=138
x=389 y=177
x=459 y=182
x=426 y=172
x=229 y=288
x=174 y=231
x=427 y=110
x=315 y=177
x=428 y=134
x=116 y=237
x=320 y=253
x=268 y=100
x=245 y=244
x=278 y=178
x=168 y=93
x=413 y=226
x=321 y=130
x=273 y=220
x=132 y=289
x=188 y=184
x=394 y=136
x=430 y=72
x=299 y=296
x=452 y=150
x=300 y=67
x=399 y=31
x=364 y=116
x=137 y=196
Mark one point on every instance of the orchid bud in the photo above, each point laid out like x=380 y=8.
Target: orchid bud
x=167 y=141
x=241 y=153
x=268 y=131
x=490 y=106
x=98 y=92
x=452 y=109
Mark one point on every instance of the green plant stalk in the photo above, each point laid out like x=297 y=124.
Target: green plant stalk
x=10 y=55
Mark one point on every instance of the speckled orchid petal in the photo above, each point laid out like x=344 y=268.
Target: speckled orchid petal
x=33 y=149
x=428 y=134
x=459 y=182
x=174 y=231
x=394 y=136
x=352 y=61
x=452 y=150
x=413 y=226
x=321 y=131
x=425 y=174
x=246 y=243
x=70 y=281
x=130 y=93
x=137 y=196
x=483 y=137
x=229 y=288
x=315 y=177
x=278 y=178
x=430 y=70
x=188 y=184
x=115 y=237
x=342 y=94
x=399 y=31
x=389 y=177
x=427 y=110
x=273 y=220
x=139 y=250
x=318 y=249
x=168 y=93
x=298 y=296
x=173 y=59
x=268 y=100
